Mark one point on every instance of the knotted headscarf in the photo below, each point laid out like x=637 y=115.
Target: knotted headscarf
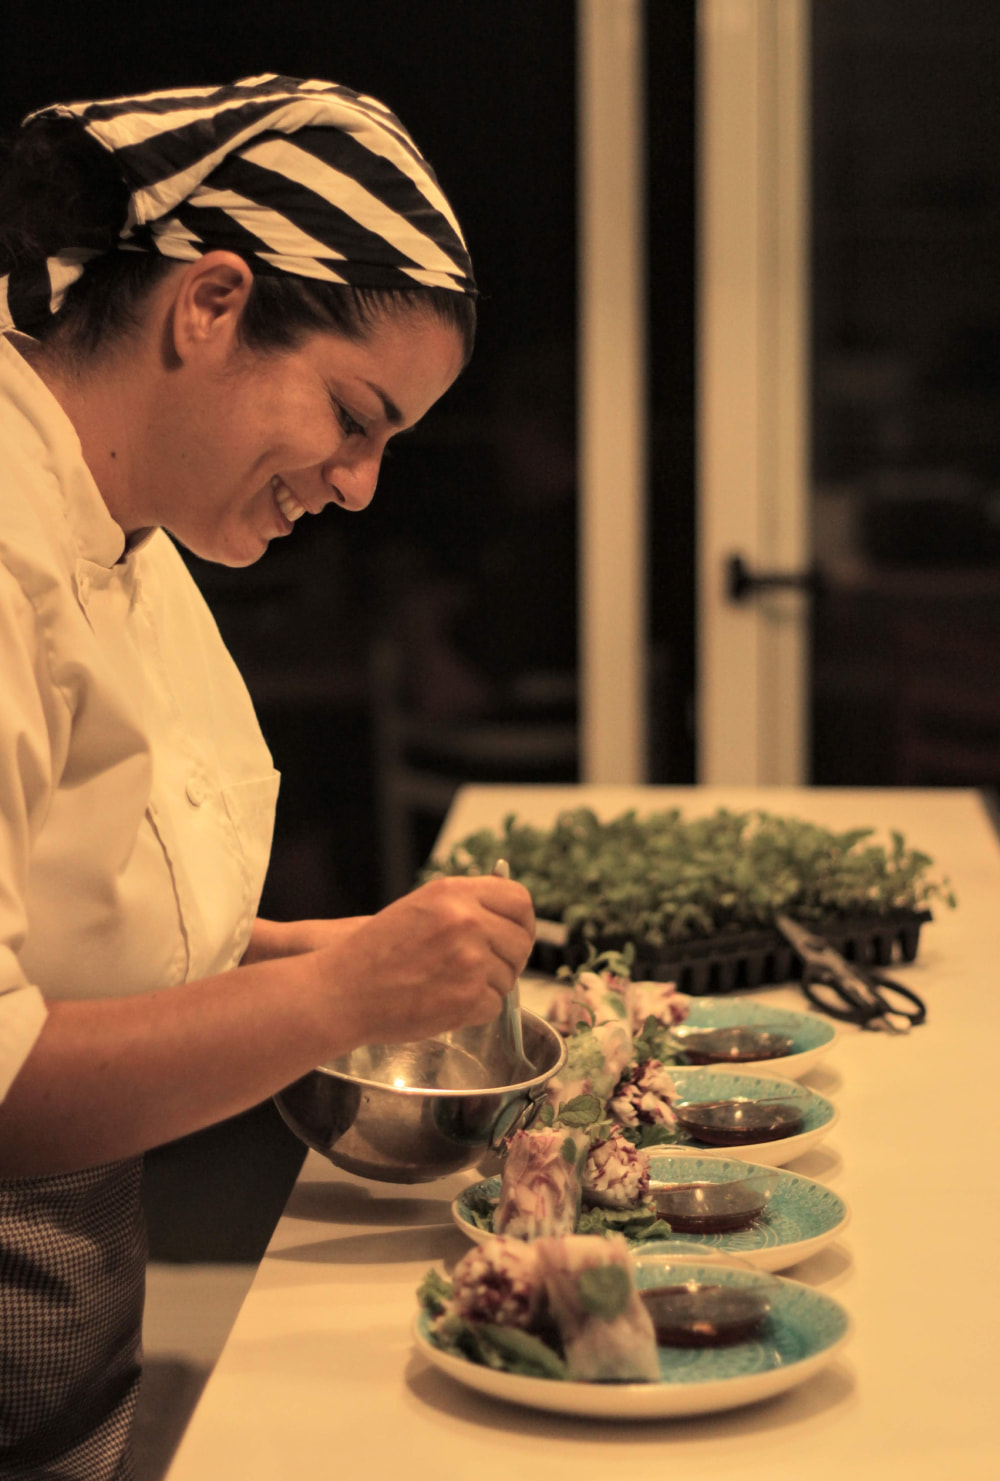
x=299 y=177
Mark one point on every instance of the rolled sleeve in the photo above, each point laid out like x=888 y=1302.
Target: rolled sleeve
x=25 y=792
x=22 y=1016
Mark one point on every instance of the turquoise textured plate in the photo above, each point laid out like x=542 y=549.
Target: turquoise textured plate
x=811 y=1034
x=702 y=1084
x=802 y=1216
x=803 y=1332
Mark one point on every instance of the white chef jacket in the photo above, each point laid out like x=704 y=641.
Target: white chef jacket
x=136 y=791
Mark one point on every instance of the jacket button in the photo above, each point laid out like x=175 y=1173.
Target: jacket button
x=196 y=791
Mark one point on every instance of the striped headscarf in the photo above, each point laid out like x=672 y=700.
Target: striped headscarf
x=299 y=177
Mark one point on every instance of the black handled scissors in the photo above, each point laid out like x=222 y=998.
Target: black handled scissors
x=846 y=991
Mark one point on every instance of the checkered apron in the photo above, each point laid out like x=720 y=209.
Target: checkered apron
x=72 y=1280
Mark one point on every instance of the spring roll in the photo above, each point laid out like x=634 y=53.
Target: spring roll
x=590 y=998
x=659 y=1000
x=644 y=1096
x=499 y=1282
x=615 y=1174
x=540 y=1188
x=595 y=1061
x=607 y=1333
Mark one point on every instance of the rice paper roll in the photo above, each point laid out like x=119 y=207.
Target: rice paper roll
x=615 y=1174
x=606 y=1331
x=644 y=1096
x=591 y=998
x=596 y=1058
x=540 y=1189
x=499 y=1282
x=659 y=1000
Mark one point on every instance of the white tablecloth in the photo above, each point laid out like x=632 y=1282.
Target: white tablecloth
x=319 y=1376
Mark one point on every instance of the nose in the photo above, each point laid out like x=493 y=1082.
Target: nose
x=353 y=483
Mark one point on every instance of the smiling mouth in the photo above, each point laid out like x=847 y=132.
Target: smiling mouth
x=286 y=500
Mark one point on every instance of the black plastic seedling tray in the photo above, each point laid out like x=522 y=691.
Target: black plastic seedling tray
x=728 y=961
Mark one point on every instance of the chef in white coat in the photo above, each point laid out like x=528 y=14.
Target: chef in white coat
x=216 y=307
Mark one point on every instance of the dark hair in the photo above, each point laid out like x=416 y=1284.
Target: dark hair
x=59 y=187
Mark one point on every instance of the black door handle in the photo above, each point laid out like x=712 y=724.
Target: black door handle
x=742 y=583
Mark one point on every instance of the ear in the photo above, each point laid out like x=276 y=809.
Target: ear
x=209 y=297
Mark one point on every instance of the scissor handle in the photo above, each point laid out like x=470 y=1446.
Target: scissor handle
x=855 y=1008
x=852 y=1011
x=883 y=985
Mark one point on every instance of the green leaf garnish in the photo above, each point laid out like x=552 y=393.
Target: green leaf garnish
x=605 y=1290
x=635 y=1223
x=433 y=1292
x=582 y=1111
x=507 y=1349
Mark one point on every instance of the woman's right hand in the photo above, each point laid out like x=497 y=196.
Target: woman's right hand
x=440 y=957
x=111 y=1077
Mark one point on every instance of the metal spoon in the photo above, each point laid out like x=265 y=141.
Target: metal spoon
x=511 y=1035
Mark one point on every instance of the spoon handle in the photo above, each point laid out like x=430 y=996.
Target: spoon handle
x=510 y=1011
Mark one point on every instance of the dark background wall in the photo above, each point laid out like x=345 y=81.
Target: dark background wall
x=487 y=91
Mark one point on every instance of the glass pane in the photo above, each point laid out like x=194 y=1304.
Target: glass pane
x=670 y=36
x=906 y=433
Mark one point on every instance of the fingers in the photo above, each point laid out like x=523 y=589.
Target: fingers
x=512 y=948
x=507 y=898
x=500 y=897
x=442 y=956
x=500 y=909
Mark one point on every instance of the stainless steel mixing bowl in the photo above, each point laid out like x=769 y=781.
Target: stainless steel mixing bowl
x=409 y=1113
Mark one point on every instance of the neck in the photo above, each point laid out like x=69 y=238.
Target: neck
x=102 y=401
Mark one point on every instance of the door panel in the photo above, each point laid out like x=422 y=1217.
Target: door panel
x=905 y=392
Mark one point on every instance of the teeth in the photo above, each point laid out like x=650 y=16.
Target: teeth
x=286 y=500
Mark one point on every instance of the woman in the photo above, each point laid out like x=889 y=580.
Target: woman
x=218 y=306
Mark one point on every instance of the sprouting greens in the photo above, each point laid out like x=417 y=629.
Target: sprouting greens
x=662 y=878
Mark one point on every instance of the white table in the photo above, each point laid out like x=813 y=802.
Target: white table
x=319 y=1376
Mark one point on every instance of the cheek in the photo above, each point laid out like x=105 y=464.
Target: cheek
x=298 y=434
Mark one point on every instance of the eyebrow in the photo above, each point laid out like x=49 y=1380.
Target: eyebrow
x=393 y=415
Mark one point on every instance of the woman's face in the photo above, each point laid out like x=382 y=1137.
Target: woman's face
x=245 y=451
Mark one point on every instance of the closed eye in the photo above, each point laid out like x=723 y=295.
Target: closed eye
x=349 y=425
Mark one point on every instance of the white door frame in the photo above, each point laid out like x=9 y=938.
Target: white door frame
x=752 y=387
x=752 y=432
x=611 y=397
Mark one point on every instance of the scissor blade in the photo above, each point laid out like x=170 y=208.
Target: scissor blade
x=810 y=947
x=827 y=964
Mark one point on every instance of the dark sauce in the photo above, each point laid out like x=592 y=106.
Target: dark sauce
x=709 y=1208
x=705 y=1316
x=735 y=1122
x=735 y=1046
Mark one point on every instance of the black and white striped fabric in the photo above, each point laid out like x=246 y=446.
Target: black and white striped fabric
x=301 y=177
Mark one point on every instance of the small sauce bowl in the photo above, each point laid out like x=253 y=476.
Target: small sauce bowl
x=702 y=1207
x=739 y=1121
x=737 y=1044
x=703 y=1300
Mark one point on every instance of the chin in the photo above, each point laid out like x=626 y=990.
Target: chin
x=237 y=559
x=222 y=552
